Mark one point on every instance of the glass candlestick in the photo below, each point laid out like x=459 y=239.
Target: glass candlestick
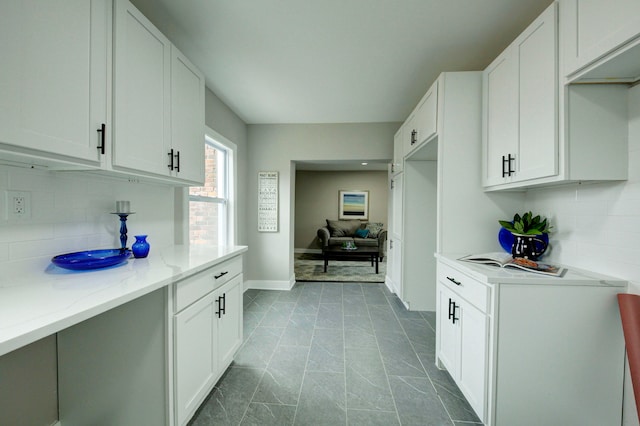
x=123 y=229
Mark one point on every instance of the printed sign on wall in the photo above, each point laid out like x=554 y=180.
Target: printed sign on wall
x=268 y=201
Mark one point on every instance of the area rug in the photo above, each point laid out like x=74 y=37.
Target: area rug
x=310 y=267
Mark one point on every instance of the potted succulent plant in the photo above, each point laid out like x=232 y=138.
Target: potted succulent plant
x=527 y=224
x=529 y=235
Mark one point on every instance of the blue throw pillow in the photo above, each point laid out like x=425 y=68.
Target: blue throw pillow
x=362 y=233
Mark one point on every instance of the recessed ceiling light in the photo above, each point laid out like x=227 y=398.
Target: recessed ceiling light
x=364 y=164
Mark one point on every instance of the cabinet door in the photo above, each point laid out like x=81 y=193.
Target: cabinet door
x=500 y=121
x=409 y=134
x=195 y=363
x=591 y=29
x=187 y=118
x=427 y=115
x=473 y=356
x=537 y=154
x=142 y=85
x=229 y=321
x=398 y=151
x=53 y=78
x=448 y=331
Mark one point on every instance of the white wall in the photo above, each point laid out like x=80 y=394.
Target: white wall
x=597 y=226
x=276 y=148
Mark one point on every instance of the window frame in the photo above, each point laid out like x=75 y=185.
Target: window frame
x=183 y=198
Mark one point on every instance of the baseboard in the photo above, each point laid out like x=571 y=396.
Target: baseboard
x=390 y=286
x=56 y=423
x=307 y=250
x=268 y=285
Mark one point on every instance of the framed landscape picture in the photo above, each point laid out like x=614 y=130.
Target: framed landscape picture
x=353 y=205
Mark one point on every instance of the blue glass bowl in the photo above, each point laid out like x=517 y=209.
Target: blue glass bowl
x=92 y=259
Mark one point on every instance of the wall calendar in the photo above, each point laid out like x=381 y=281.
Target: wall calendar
x=267 y=201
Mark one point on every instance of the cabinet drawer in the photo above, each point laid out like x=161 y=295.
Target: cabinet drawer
x=193 y=288
x=471 y=290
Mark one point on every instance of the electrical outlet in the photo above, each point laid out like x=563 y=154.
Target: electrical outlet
x=18 y=205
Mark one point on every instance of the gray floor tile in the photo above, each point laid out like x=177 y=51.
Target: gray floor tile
x=352 y=289
x=358 y=333
x=299 y=330
x=420 y=334
x=372 y=418
x=322 y=400
x=327 y=351
x=278 y=314
x=366 y=380
x=260 y=414
x=398 y=355
x=417 y=402
x=329 y=315
x=374 y=296
x=354 y=304
x=283 y=376
x=228 y=401
x=331 y=293
x=257 y=350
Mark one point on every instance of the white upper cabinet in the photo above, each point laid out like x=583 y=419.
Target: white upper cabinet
x=423 y=122
x=159 y=102
x=54 y=78
x=520 y=134
x=600 y=39
x=142 y=89
x=187 y=118
x=537 y=132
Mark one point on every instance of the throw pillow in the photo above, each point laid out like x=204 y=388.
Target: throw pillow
x=362 y=233
x=343 y=228
x=374 y=229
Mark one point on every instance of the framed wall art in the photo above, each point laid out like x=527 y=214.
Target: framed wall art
x=353 y=205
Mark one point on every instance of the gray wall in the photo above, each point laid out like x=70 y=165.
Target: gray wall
x=317 y=200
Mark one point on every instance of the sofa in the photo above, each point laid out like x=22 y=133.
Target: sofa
x=339 y=232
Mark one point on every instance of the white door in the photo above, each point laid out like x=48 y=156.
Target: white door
x=537 y=155
x=142 y=87
x=53 y=77
x=230 y=321
x=187 y=118
x=500 y=91
x=195 y=361
x=473 y=356
x=449 y=333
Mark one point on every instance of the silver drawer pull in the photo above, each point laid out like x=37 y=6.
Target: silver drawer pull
x=222 y=274
x=454 y=281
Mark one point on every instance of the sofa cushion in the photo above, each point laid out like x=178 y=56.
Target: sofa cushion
x=361 y=233
x=365 y=242
x=343 y=228
x=374 y=229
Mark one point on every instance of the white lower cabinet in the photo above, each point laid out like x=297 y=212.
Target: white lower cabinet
x=207 y=334
x=463 y=336
x=528 y=349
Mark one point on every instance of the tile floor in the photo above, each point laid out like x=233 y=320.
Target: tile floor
x=334 y=354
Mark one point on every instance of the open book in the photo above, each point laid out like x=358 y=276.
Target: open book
x=505 y=260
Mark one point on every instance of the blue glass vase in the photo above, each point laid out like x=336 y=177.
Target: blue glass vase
x=141 y=247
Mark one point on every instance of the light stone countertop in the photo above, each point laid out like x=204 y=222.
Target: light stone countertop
x=38 y=298
x=494 y=275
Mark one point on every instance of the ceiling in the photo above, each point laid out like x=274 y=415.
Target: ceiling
x=335 y=61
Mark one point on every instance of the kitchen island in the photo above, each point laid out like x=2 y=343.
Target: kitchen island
x=114 y=328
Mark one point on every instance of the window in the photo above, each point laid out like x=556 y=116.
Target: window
x=209 y=205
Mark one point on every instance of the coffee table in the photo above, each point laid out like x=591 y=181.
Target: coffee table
x=361 y=253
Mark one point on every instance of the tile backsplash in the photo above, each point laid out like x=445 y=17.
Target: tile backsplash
x=71 y=211
x=597 y=226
